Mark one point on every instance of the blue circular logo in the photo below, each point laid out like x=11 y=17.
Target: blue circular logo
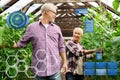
x=17 y=20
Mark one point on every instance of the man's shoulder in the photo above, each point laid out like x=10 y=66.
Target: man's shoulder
x=55 y=25
x=33 y=24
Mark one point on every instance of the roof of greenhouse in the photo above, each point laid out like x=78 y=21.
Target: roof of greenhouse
x=66 y=15
x=32 y=5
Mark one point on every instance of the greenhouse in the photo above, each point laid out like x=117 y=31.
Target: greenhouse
x=45 y=39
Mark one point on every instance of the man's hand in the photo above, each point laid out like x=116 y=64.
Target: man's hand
x=14 y=45
x=64 y=62
x=64 y=68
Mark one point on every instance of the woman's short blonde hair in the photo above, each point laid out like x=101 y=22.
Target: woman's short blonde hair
x=78 y=29
x=48 y=6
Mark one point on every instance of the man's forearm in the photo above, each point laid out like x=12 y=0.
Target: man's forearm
x=63 y=56
x=64 y=62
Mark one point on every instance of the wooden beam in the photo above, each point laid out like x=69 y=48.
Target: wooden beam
x=68 y=17
x=68 y=29
x=67 y=32
x=87 y=4
x=37 y=17
x=87 y=0
x=68 y=23
x=36 y=10
x=70 y=11
x=25 y=9
x=8 y=5
x=108 y=7
x=62 y=1
x=71 y=7
x=68 y=26
x=63 y=26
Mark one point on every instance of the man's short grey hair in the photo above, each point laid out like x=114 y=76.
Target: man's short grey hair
x=48 y=6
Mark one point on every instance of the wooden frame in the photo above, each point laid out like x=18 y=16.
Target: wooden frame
x=62 y=1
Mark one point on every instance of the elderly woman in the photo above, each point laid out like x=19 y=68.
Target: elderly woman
x=75 y=56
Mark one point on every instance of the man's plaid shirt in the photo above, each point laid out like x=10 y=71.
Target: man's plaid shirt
x=73 y=54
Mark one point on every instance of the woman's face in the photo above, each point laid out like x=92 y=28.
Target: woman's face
x=77 y=34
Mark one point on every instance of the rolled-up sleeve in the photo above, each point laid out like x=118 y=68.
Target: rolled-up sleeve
x=25 y=39
x=61 y=44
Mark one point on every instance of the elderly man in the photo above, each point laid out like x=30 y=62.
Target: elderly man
x=75 y=56
x=48 y=45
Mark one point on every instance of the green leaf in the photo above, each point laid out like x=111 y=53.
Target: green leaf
x=1 y=31
x=116 y=4
x=1 y=9
x=1 y=41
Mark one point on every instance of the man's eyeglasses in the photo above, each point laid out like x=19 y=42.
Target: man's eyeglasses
x=53 y=12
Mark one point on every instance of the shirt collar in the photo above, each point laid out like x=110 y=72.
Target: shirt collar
x=74 y=42
x=50 y=23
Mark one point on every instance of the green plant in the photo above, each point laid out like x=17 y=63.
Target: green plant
x=116 y=4
x=105 y=36
x=14 y=62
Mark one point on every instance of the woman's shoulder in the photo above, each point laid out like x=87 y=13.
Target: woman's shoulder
x=69 y=42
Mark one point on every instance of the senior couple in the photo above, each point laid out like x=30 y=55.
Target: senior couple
x=49 y=53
